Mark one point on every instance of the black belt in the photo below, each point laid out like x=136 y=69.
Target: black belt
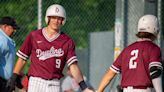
x=46 y=78
x=51 y=79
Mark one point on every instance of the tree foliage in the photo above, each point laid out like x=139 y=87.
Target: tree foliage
x=83 y=16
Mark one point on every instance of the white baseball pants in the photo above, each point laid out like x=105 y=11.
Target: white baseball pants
x=130 y=89
x=37 y=84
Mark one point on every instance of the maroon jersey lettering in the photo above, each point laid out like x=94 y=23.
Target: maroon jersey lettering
x=48 y=56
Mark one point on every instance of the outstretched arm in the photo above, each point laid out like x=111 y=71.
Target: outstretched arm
x=106 y=80
x=156 y=70
x=76 y=72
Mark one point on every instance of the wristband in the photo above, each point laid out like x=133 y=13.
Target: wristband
x=83 y=85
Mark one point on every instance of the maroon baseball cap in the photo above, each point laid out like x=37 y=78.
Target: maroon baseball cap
x=9 y=21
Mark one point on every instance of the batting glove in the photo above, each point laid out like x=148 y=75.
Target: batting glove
x=15 y=80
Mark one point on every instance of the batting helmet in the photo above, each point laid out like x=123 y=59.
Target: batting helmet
x=148 y=23
x=55 y=10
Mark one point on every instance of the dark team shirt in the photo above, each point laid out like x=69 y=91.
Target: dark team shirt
x=48 y=56
x=135 y=61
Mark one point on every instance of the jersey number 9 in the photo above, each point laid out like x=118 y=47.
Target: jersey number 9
x=58 y=63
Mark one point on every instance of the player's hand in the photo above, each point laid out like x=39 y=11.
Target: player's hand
x=15 y=80
x=19 y=82
x=88 y=90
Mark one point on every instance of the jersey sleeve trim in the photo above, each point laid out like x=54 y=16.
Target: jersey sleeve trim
x=72 y=60
x=158 y=64
x=69 y=60
x=115 y=69
x=22 y=55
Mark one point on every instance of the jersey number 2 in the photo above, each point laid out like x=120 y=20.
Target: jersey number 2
x=132 y=63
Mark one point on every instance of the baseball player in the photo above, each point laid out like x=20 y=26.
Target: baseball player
x=8 y=26
x=49 y=50
x=139 y=63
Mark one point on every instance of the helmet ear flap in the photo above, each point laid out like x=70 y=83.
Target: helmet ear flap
x=55 y=10
x=46 y=19
x=148 y=23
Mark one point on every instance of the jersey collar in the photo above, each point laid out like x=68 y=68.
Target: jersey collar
x=47 y=38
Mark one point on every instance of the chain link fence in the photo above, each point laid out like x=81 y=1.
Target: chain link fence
x=83 y=16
